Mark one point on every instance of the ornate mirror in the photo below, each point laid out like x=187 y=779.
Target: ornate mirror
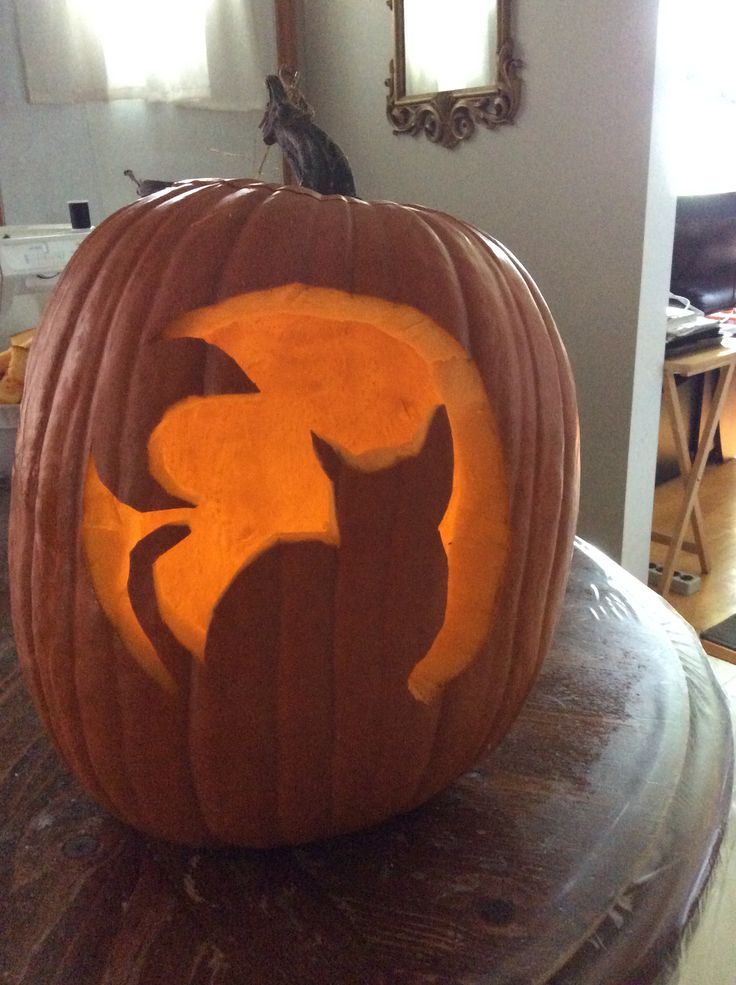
x=453 y=68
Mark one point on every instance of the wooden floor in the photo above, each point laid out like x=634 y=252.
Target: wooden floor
x=716 y=599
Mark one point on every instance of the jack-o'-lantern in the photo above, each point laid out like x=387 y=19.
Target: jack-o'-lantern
x=292 y=510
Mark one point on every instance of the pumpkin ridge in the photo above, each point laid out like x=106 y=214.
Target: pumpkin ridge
x=90 y=766
x=373 y=254
x=149 y=328
x=543 y=351
x=234 y=767
x=384 y=681
x=460 y=327
x=505 y=299
x=383 y=225
x=114 y=697
x=342 y=751
x=73 y=744
x=424 y=238
x=460 y=330
x=107 y=344
x=420 y=765
x=524 y=494
x=289 y=749
x=571 y=459
x=571 y=433
x=182 y=674
x=246 y=209
x=108 y=796
x=546 y=454
x=255 y=215
x=348 y=216
x=26 y=644
x=74 y=583
x=330 y=258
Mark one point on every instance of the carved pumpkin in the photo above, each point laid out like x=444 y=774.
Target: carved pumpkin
x=292 y=509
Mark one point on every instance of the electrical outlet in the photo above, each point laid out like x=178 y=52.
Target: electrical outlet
x=683 y=583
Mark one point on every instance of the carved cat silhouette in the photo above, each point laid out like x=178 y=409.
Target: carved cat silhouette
x=355 y=402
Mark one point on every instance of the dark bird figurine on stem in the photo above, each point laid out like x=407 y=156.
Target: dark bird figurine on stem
x=315 y=160
x=148 y=186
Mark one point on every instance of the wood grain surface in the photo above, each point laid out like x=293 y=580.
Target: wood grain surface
x=575 y=853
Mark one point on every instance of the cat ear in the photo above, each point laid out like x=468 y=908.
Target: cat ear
x=328 y=457
x=432 y=468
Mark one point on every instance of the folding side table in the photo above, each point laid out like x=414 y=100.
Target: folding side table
x=722 y=360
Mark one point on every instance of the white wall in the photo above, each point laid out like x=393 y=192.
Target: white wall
x=52 y=154
x=566 y=188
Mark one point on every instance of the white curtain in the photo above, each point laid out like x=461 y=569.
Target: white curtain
x=209 y=53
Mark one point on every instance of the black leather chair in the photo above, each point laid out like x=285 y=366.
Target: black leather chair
x=704 y=272
x=704 y=251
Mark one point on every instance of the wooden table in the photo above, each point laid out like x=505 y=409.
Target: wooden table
x=721 y=360
x=572 y=855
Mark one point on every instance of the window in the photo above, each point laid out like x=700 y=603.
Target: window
x=212 y=53
x=701 y=98
x=152 y=48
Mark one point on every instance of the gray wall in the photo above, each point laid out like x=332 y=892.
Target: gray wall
x=567 y=188
x=51 y=154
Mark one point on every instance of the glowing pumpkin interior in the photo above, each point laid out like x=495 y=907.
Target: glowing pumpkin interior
x=363 y=375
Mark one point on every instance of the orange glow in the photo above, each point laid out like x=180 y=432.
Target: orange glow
x=363 y=374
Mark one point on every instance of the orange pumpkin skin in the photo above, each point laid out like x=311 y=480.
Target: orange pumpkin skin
x=320 y=673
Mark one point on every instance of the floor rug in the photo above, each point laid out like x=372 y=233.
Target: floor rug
x=723 y=633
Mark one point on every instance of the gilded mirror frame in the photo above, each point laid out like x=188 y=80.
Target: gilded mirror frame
x=449 y=117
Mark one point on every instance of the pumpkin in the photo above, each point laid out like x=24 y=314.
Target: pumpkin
x=292 y=509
